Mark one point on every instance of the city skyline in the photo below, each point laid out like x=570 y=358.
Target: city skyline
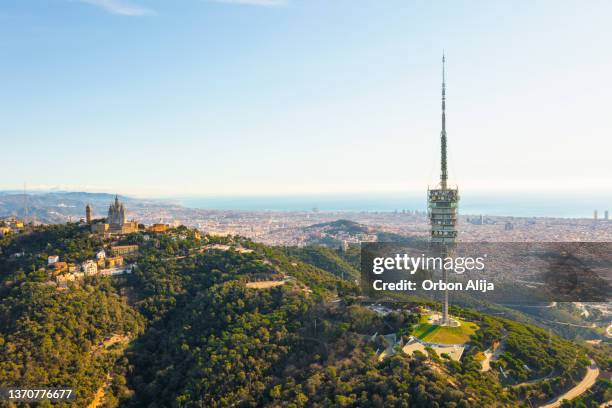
x=290 y=97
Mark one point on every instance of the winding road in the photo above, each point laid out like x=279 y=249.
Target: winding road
x=586 y=383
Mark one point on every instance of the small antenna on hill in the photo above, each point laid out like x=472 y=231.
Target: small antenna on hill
x=25 y=205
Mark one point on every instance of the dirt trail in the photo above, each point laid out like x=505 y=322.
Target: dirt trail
x=492 y=356
x=99 y=397
x=103 y=347
x=264 y=284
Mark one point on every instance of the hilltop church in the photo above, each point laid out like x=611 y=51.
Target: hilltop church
x=116 y=222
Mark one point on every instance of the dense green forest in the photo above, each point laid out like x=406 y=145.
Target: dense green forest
x=184 y=329
x=327 y=259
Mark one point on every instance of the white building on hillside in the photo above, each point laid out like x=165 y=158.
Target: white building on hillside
x=89 y=267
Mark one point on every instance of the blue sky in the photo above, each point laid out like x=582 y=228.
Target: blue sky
x=197 y=97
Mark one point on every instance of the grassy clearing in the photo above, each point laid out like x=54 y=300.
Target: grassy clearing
x=444 y=335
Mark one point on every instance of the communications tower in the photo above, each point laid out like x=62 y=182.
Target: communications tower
x=443 y=203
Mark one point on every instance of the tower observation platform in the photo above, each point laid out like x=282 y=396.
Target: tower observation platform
x=443 y=203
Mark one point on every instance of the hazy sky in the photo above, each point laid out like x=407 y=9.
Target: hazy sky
x=161 y=97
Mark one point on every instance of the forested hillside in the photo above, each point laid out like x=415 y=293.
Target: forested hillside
x=222 y=321
x=325 y=258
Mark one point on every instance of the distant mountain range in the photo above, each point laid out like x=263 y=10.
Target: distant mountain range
x=58 y=207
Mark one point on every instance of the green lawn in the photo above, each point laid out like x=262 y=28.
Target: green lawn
x=442 y=334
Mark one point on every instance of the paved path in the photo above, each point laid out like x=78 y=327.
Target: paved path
x=586 y=383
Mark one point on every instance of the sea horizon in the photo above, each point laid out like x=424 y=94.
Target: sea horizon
x=557 y=205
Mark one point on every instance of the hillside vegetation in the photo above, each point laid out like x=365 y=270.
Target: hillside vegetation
x=198 y=336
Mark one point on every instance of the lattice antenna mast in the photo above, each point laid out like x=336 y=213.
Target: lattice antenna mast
x=443 y=169
x=25 y=205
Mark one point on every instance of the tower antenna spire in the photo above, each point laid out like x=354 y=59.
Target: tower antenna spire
x=443 y=169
